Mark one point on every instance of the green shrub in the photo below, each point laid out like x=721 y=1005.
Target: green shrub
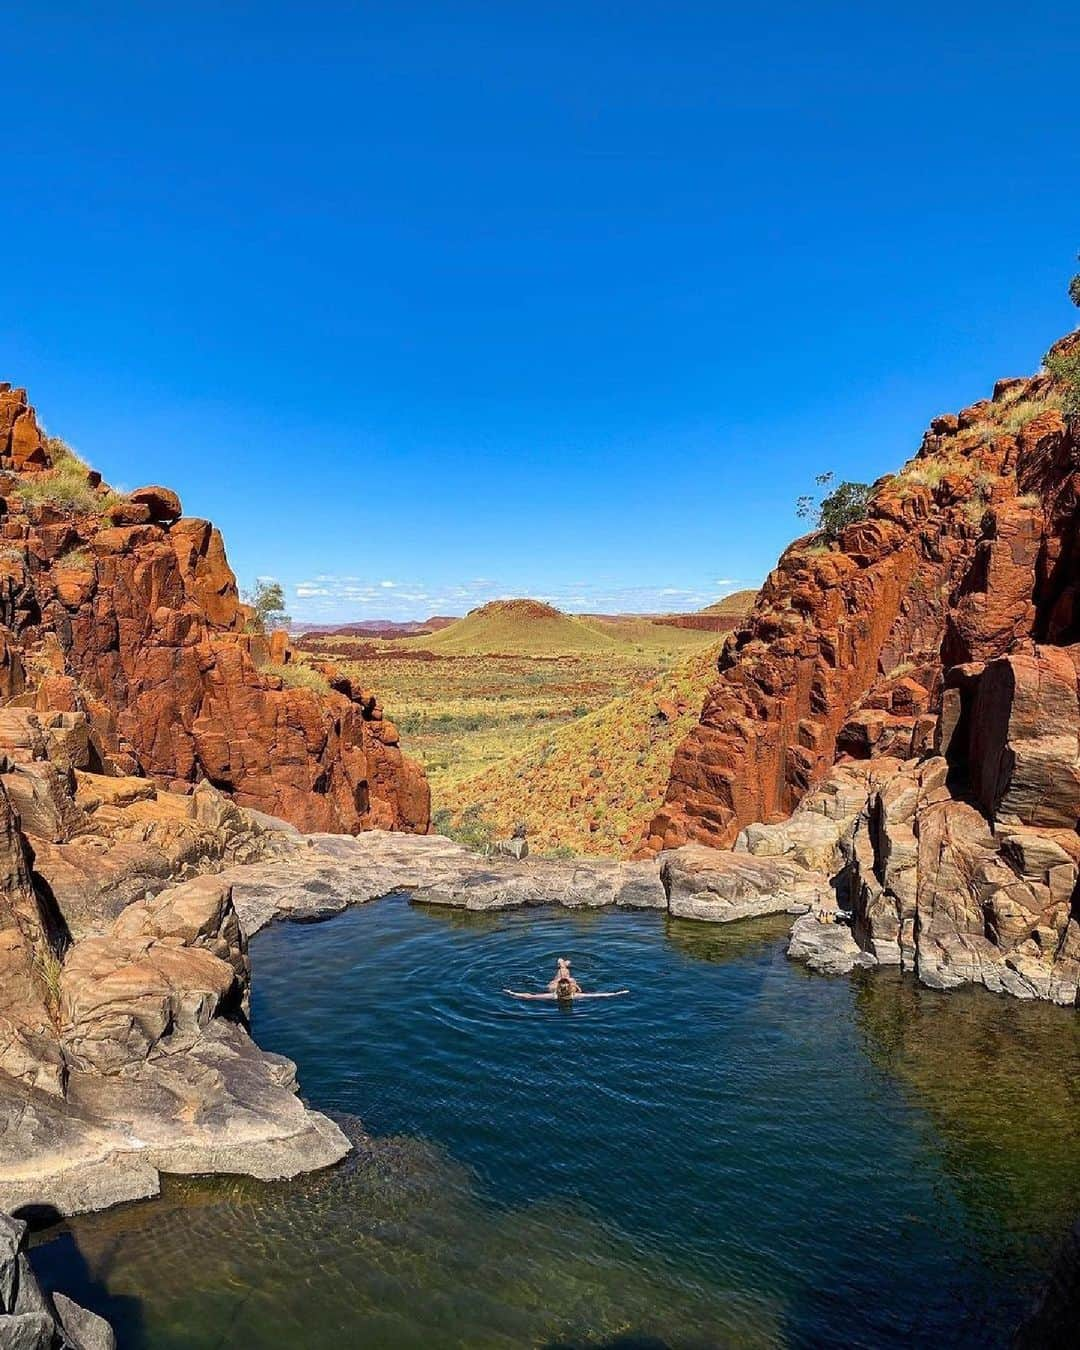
x=470 y=829
x=267 y=599
x=49 y=967
x=76 y=558
x=1064 y=369
x=1017 y=415
x=926 y=473
x=841 y=507
x=298 y=676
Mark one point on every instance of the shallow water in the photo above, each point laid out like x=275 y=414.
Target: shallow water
x=738 y=1153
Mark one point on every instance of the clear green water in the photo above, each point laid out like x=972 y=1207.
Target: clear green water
x=739 y=1153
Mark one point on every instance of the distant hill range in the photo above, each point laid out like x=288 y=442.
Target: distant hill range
x=375 y=628
x=506 y=619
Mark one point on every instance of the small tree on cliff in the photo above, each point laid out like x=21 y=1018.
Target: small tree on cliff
x=1064 y=366
x=267 y=599
x=844 y=505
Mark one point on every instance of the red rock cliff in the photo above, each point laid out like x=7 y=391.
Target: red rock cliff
x=125 y=609
x=876 y=644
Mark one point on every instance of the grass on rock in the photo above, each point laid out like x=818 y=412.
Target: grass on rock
x=296 y=675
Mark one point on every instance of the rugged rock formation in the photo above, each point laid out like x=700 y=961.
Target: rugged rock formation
x=123 y=987
x=968 y=554
x=127 y=611
x=144 y=737
x=911 y=692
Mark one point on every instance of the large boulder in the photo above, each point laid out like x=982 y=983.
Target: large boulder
x=162 y=503
x=1023 y=751
x=155 y=981
x=720 y=887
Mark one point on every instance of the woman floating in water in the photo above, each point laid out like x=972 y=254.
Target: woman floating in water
x=564 y=988
x=563 y=977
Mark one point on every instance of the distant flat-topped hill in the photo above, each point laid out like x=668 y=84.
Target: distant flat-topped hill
x=520 y=627
x=734 y=606
x=719 y=617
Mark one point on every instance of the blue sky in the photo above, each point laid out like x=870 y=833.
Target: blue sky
x=427 y=303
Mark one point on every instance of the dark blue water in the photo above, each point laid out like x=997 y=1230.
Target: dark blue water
x=738 y=1153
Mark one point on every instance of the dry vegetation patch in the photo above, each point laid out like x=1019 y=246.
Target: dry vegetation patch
x=485 y=724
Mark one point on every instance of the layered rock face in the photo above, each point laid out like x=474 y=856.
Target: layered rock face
x=925 y=665
x=127 y=611
x=147 y=743
x=968 y=554
x=124 y=981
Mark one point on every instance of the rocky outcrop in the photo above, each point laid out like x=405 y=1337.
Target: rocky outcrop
x=703 y=883
x=123 y=984
x=902 y=713
x=29 y=1318
x=320 y=875
x=127 y=611
x=966 y=556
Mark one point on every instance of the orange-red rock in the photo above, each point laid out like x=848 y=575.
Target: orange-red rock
x=133 y=616
x=970 y=554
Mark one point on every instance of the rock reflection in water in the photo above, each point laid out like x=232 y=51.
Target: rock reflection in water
x=1001 y=1081
x=392 y=1248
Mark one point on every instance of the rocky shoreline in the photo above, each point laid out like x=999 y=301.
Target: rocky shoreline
x=891 y=755
x=159 y=1071
x=161 y=1075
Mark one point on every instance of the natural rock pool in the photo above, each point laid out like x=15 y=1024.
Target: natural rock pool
x=739 y=1153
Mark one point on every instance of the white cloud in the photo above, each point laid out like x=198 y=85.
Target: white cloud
x=329 y=598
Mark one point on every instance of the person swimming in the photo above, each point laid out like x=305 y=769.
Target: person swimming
x=564 y=988
x=563 y=976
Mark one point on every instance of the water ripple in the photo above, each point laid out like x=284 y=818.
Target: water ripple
x=734 y=1154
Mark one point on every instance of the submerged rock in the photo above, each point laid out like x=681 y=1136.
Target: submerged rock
x=827 y=948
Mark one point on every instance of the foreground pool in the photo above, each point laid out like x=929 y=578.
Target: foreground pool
x=738 y=1153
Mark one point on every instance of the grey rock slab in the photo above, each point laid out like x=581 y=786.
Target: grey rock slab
x=83 y=1328
x=718 y=887
x=827 y=948
x=324 y=874
x=221 y=1105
